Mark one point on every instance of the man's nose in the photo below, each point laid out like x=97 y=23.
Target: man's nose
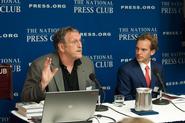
x=138 y=51
x=79 y=44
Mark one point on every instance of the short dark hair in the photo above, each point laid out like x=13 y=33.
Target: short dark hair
x=60 y=34
x=151 y=38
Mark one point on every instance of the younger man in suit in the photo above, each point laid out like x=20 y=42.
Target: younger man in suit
x=133 y=74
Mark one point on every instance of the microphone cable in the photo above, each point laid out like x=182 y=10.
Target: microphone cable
x=120 y=112
x=173 y=97
x=89 y=119
x=176 y=105
x=99 y=116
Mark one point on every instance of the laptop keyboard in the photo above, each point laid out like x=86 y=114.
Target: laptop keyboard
x=36 y=119
x=76 y=122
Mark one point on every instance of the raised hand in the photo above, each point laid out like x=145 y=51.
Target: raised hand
x=47 y=73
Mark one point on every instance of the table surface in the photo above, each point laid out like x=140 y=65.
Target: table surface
x=166 y=113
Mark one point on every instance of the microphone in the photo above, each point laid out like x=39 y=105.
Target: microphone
x=92 y=77
x=99 y=107
x=160 y=101
x=157 y=74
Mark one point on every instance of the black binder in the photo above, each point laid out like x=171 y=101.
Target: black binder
x=6 y=81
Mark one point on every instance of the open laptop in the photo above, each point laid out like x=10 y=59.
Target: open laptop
x=69 y=106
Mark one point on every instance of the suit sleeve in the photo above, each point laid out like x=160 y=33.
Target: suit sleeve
x=31 y=90
x=124 y=86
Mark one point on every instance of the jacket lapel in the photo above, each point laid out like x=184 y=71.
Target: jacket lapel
x=59 y=80
x=140 y=75
x=59 y=76
x=80 y=72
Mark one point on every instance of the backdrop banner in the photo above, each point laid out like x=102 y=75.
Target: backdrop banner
x=109 y=29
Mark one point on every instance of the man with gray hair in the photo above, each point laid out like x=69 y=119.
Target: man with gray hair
x=66 y=69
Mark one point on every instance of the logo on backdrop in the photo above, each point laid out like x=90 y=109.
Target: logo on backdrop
x=96 y=34
x=15 y=62
x=102 y=61
x=125 y=60
x=174 y=83
x=8 y=35
x=137 y=7
x=173 y=58
x=47 y=5
x=131 y=33
x=172 y=33
x=10 y=6
x=4 y=119
x=93 y=6
x=35 y=35
x=169 y=7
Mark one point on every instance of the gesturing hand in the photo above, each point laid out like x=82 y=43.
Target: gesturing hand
x=47 y=73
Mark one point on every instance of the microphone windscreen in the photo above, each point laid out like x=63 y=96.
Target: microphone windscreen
x=155 y=71
x=92 y=77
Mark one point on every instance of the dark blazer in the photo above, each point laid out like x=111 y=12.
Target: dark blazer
x=130 y=77
x=32 y=91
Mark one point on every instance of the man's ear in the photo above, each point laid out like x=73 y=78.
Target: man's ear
x=152 y=52
x=61 y=47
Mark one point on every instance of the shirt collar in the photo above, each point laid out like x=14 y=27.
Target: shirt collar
x=76 y=63
x=142 y=65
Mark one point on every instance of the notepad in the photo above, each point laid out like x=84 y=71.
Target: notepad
x=150 y=112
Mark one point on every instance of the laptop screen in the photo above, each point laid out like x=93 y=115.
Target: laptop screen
x=69 y=106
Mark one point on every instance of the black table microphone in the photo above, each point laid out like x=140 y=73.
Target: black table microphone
x=99 y=106
x=160 y=101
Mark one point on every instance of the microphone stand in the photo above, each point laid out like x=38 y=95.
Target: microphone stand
x=99 y=106
x=160 y=101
